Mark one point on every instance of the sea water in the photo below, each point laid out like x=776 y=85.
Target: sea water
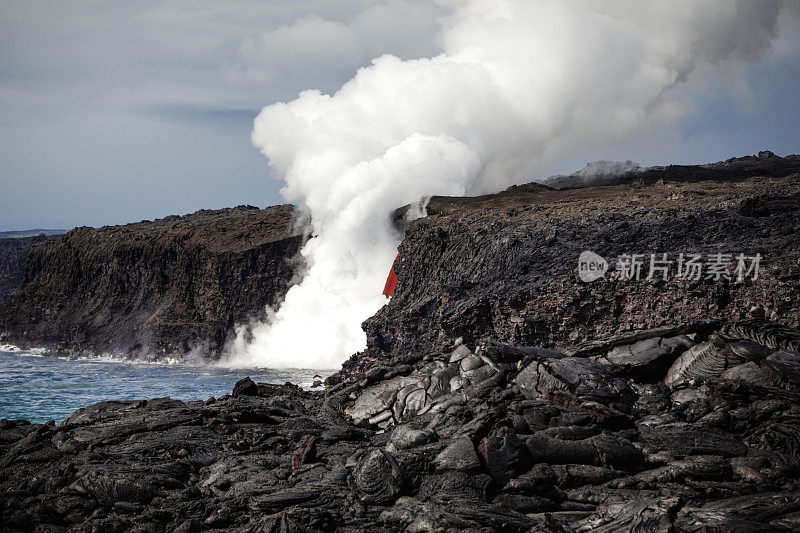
x=38 y=387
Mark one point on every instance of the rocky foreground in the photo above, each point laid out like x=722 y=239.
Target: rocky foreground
x=694 y=427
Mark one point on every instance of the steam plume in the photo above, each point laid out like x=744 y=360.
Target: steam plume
x=519 y=84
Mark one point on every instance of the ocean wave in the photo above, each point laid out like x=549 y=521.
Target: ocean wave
x=10 y=348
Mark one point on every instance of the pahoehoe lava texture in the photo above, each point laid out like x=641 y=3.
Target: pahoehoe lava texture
x=489 y=438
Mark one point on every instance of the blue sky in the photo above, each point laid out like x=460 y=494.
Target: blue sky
x=116 y=112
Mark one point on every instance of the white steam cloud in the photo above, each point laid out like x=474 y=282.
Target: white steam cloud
x=519 y=84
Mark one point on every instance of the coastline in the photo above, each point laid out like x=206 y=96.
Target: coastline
x=499 y=390
x=38 y=387
x=654 y=430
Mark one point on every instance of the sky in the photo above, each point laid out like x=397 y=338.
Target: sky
x=114 y=112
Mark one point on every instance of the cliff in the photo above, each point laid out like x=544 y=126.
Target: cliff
x=13 y=256
x=504 y=266
x=167 y=287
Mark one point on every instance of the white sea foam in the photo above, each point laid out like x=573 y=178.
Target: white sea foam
x=9 y=348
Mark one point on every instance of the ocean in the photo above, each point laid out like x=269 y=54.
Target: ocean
x=40 y=388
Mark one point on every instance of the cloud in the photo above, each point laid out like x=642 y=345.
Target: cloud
x=309 y=49
x=316 y=52
x=174 y=73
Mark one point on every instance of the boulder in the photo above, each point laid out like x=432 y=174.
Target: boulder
x=459 y=455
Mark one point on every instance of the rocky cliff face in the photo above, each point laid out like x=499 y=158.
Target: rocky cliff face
x=504 y=266
x=13 y=256
x=168 y=287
